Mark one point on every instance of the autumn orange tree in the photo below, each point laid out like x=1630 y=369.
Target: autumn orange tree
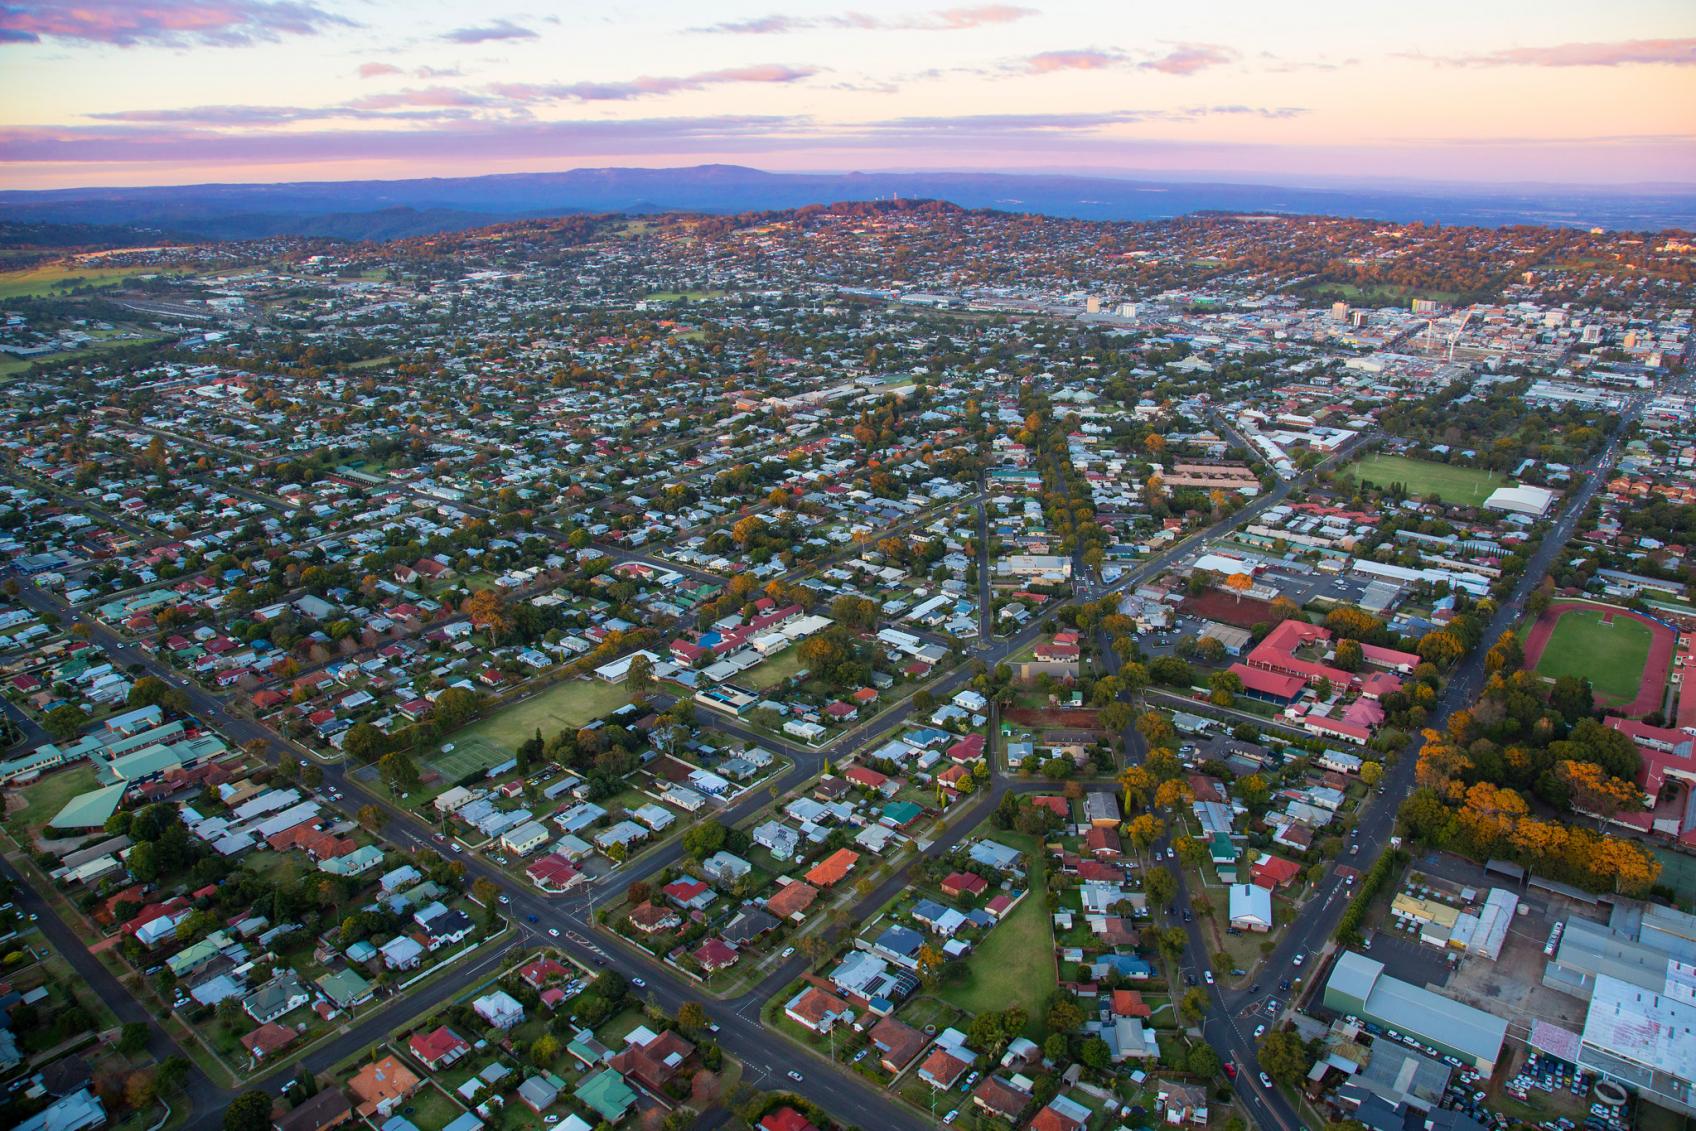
x=1597 y=792
x=487 y=609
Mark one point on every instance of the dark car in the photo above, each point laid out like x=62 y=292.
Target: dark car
x=532 y=919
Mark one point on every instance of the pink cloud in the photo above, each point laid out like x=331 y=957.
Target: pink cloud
x=1189 y=58
x=1087 y=59
x=1670 y=52
x=374 y=70
x=127 y=23
x=940 y=19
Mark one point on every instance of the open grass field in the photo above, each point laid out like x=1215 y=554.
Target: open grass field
x=493 y=740
x=44 y=799
x=1015 y=964
x=1425 y=479
x=12 y=366
x=689 y=296
x=58 y=278
x=1610 y=655
x=1387 y=293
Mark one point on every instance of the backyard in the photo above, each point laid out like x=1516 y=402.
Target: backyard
x=1422 y=478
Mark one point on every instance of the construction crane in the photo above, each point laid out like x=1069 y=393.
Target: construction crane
x=1459 y=330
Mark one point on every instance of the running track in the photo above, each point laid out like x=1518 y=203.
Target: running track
x=1656 y=667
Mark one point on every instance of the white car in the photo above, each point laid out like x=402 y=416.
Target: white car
x=1266 y=1081
x=1300 y=958
x=796 y=1076
x=553 y=932
x=638 y=983
x=951 y=1116
x=1259 y=1031
x=788 y=952
x=1208 y=974
x=504 y=899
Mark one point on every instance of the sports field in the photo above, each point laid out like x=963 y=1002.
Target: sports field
x=491 y=741
x=1424 y=479
x=1611 y=654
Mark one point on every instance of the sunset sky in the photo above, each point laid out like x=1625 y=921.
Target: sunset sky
x=132 y=92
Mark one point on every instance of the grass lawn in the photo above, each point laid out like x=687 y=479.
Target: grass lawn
x=44 y=799
x=1015 y=964
x=15 y=365
x=775 y=670
x=569 y=704
x=431 y=1109
x=58 y=278
x=1389 y=293
x=1610 y=655
x=1425 y=479
x=691 y=296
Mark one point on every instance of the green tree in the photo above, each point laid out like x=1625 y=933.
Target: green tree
x=364 y=742
x=1283 y=1057
x=1161 y=886
x=133 y=1038
x=250 y=1111
x=705 y=838
x=64 y=722
x=640 y=678
x=399 y=772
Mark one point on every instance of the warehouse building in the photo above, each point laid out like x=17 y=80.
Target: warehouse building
x=1521 y=499
x=1645 y=1039
x=1358 y=986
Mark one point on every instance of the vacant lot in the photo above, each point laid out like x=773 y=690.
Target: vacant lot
x=1611 y=655
x=1015 y=964
x=1427 y=480
x=775 y=670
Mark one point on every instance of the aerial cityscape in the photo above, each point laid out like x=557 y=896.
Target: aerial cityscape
x=984 y=567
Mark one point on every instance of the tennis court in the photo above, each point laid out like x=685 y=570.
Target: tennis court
x=469 y=756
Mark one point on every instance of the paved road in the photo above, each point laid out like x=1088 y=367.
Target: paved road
x=769 y=1058
x=1226 y=1028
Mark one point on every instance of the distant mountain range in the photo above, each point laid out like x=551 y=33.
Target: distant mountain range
x=381 y=210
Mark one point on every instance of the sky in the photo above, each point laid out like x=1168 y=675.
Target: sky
x=139 y=92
